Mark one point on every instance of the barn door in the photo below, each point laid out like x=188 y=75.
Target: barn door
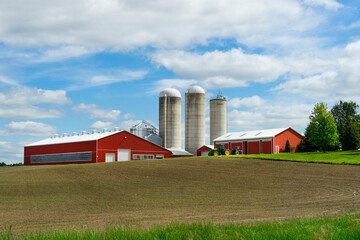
x=123 y=155
x=110 y=157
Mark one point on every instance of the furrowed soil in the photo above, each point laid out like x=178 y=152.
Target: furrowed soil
x=144 y=193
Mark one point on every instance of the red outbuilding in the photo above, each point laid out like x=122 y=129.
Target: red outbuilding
x=204 y=150
x=261 y=141
x=91 y=148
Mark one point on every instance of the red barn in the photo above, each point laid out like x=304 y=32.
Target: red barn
x=91 y=148
x=261 y=141
x=204 y=150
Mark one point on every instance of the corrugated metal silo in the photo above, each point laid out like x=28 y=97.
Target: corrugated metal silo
x=170 y=118
x=218 y=117
x=194 y=119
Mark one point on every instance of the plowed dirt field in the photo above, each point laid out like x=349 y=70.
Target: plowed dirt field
x=143 y=193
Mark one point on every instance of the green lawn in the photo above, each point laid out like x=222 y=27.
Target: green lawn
x=338 y=157
x=347 y=227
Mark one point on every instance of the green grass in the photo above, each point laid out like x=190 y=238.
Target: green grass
x=338 y=157
x=347 y=227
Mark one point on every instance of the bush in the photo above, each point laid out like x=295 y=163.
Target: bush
x=287 y=146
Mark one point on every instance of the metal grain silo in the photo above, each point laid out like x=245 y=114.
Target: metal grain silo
x=194 y=119
x=170 y=118
x=218 y=118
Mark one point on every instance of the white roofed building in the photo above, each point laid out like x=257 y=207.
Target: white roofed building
x=261 y=141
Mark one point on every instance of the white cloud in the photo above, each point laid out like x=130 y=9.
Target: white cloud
x=11 y=152
x=329 y=4
x=28 y=112
x=18 y=103
x=96 y=112
x=63 y=53
x=216 y=69
x=28 y=128
x=234 y=68
x=339 y=81
x=130 y=24
x=127 y=116
x=113 y=77
x=254 y=101
x=7 y=81
x=270 y=116
x=25 y=95
x=102 y=125
x=354 y=25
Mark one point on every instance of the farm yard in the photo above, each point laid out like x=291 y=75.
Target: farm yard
x=158 y=192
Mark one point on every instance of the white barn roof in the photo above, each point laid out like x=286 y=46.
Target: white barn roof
x=245 y=135
x=179 y=152
x=70 y=139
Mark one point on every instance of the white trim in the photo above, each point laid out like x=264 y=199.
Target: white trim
x=277 y=149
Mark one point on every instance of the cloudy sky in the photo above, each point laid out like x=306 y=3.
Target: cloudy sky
x=68 y=66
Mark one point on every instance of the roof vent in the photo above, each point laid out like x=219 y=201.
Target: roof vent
x=56 y=135
x=104 y=130
x=116 y=129
x=83 y=132
x=64 y=134
x=93 y=131
x=73 y=134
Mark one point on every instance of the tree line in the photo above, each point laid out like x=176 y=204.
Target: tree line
x=335 y=129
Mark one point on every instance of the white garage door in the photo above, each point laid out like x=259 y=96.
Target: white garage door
x=206 y=153
x=110 y=157
x=123 y=155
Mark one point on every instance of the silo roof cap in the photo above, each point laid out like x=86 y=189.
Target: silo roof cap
x=195 y=89
x=170 y=92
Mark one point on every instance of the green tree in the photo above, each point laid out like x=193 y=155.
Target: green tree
x=321 y=132
x=287 y=146
x=348 y=124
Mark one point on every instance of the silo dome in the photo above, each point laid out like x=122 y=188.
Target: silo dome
x=170 y=118
x=195 y=89
x=170 y=92
x=194 y=119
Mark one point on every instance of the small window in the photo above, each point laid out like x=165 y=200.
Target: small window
x=159 y=156
x=142 y=156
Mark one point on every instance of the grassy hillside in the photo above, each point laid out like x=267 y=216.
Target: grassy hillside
x=347 y=227
x=143 y=193
x=338 y=157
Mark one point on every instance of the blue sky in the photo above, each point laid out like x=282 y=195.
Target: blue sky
x=70 y=66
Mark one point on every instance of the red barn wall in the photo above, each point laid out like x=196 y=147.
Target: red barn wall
x=89 y=146
x=202 y=149
x=289 y=134
x=126 y=140
x=266 y=147
x=253 y=147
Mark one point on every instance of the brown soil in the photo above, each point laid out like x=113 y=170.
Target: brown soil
x=143 y=193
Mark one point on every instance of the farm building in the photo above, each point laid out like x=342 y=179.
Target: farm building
x=204 y=150
x=91 y=148
x=261 y=141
